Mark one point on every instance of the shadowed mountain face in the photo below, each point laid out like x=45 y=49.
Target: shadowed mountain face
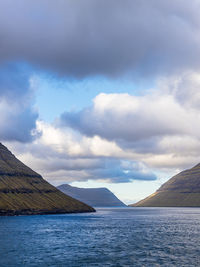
x=23 y=191
x=182 y=190
x=96 y=197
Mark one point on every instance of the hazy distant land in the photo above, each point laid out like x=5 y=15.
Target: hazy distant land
x=95 y=197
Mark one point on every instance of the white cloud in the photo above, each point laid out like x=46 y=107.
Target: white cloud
x=122 y=134
x=133 y=118
x=62 y=154
x=161 y=128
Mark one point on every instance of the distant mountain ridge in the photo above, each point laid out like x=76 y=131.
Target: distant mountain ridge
x=96 y=197
x=182 y=190
x=23 y=191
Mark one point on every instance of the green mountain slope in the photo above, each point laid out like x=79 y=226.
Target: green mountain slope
x=23 y=191
x=182 y=190
x=96 y=197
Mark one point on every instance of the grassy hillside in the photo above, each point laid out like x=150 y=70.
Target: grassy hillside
x=182 y=190
x=23 y=191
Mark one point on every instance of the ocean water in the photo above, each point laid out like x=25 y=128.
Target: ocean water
x=109 y=237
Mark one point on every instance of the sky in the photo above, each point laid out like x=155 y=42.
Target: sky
x=101 y=93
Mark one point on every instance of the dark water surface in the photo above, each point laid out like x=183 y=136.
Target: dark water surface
x=110 y=237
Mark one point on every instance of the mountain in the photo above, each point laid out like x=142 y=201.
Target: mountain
x=182 y=190
x=96 y=197
x=23 y=191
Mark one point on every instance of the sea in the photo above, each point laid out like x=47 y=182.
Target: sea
x=110 y=237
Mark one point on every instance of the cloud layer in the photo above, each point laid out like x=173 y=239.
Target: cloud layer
x=62 y=155
x=120 y=137
x=132 y=118
x=91 y=37
x=18 y=118
x=161 y=127
x=129 y=118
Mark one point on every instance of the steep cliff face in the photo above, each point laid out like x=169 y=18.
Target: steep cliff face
x=23 y=191
x=96 y=197
x=182 y=190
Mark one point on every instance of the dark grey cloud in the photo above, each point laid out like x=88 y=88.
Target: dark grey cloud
x=18 y=126
x=14 y=81
x=92 y=37
x=18 y=118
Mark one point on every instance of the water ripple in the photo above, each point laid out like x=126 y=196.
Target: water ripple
x=111 y=237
